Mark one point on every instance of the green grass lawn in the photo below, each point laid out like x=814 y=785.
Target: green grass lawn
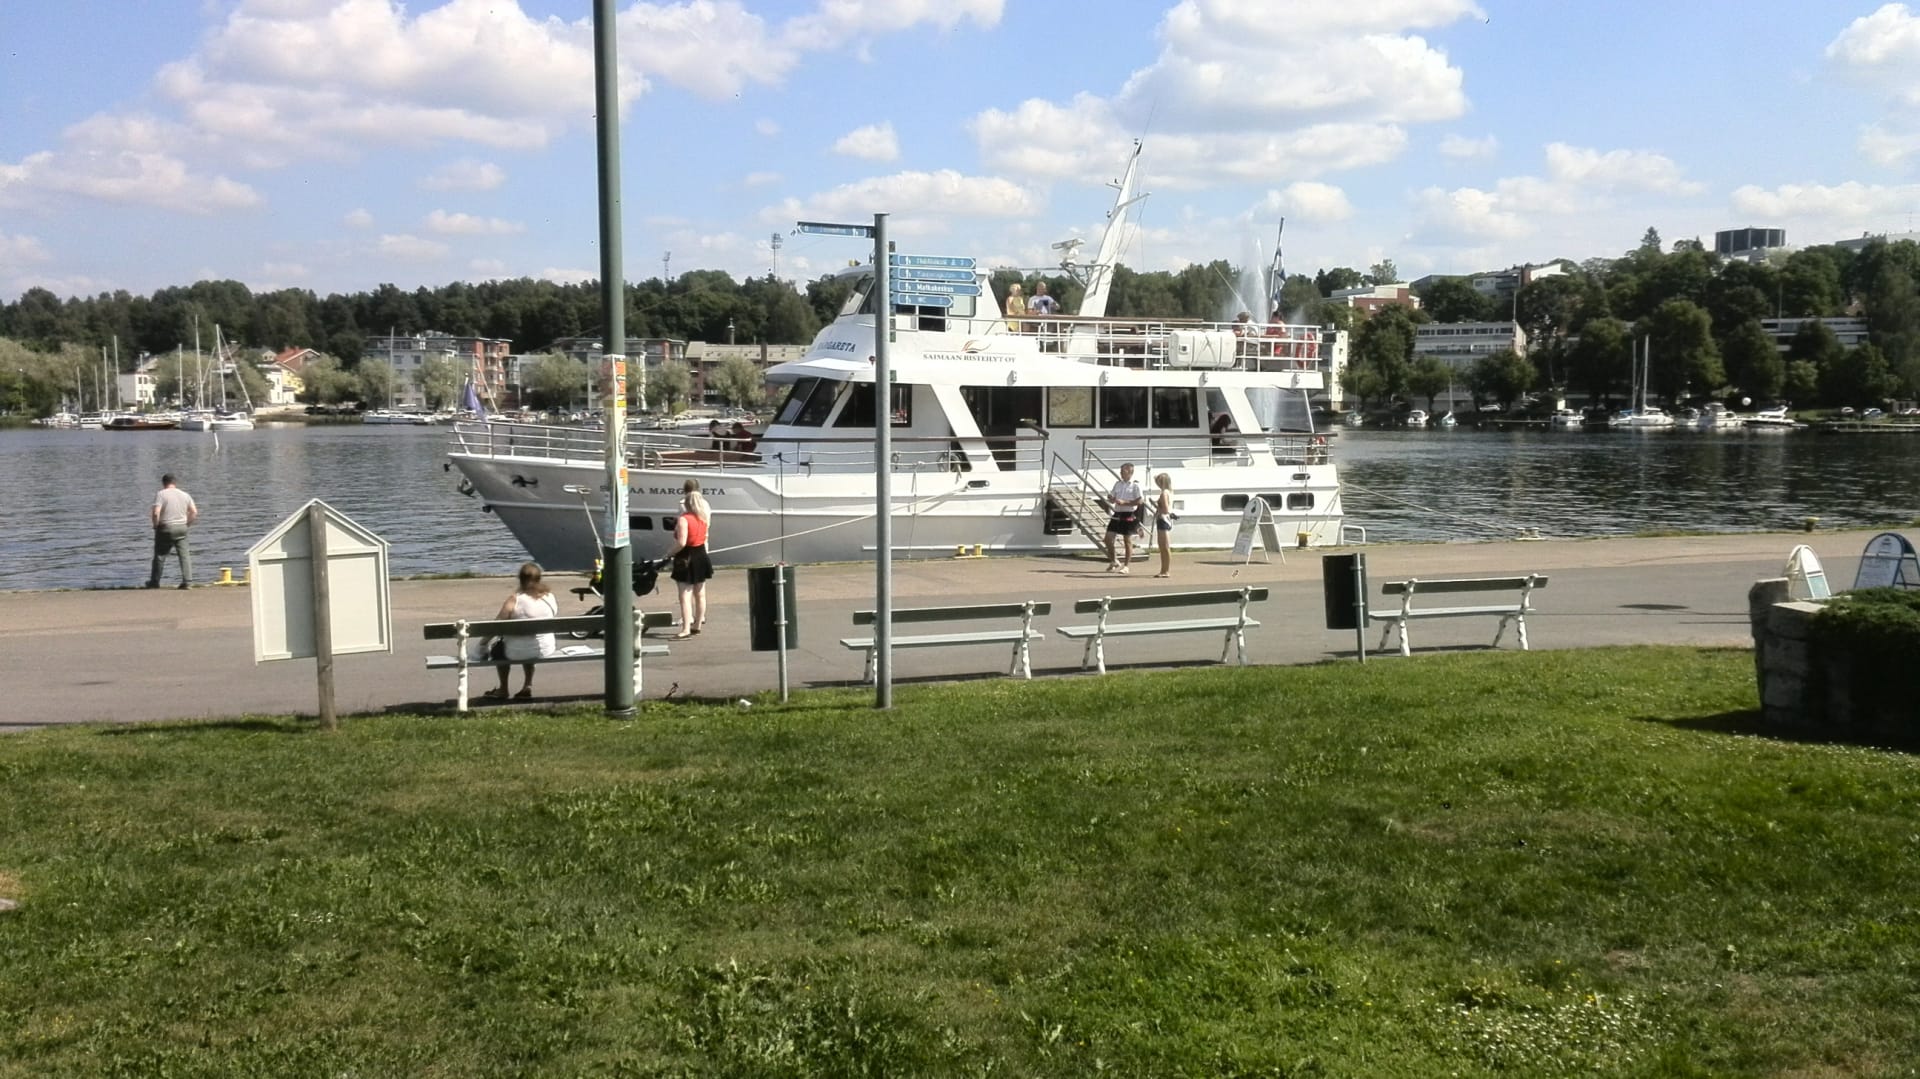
x=1485 y=863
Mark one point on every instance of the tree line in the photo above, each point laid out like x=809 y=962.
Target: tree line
x=1695 y=317
x=1701 y=314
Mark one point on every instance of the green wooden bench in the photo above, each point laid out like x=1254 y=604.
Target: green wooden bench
x=1513 y=610
x=1020 y=637
x=468 y=629
x=1233 y=626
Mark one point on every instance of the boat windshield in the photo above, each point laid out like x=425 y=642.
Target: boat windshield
x=809 y=403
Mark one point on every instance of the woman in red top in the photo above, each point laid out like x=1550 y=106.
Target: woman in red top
x=691 y=566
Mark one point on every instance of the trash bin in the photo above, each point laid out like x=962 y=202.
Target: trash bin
x=1341 y=586
x=763 y=611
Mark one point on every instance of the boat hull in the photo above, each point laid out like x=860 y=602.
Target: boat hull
x=556 y=507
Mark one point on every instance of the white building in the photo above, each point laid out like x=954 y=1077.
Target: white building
x=1852 y=332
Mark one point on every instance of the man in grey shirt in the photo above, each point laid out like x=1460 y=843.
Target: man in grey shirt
x=173 y=513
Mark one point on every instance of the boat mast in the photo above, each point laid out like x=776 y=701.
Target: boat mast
x=1098 y=277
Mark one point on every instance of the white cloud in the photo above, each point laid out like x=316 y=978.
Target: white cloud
x=1578 y=181
x=1309 y=201
x=458 y=224
x=464 y=175
x=765 y=126
x=124 y=161
x=561 y=276
x=1462 y=147
x=488 y=269
x=874 y=142
x=16 y=250
x=840 y=21
x=1851 y=201
x=1881 y=51
x=953 y=194
x=357 y=219
x=760 y=179
x=284 y=270
x=407 y=248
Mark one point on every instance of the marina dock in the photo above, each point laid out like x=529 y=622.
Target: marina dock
x=124 y=655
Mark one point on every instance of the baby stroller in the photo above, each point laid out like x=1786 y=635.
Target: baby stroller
x=646 y=576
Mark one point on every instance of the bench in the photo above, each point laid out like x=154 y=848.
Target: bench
x=1020 y=637
x=1513 y=610
x=1234 y=626
x=465 y=629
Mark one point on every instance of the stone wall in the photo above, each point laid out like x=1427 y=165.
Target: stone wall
x=1802 y=689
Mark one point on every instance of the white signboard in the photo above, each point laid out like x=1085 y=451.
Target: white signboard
x=1888 y=562
x=1806 y=578
x=283 y=587
x=1252 y=518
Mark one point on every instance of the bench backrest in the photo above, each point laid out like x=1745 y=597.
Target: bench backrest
x=533 y=627
x=1463 y=584
x=958 y=614
x=1163 y=600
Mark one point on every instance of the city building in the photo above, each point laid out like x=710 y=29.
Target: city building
x=1504 y=285
x=135 y=389
x=482 y=359
x=1852 y=332
x=1460 y=345
x=1749 y=244
x=1370 y=298
x=705 y=358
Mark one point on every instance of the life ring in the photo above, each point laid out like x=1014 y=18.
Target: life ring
x=1317 y=450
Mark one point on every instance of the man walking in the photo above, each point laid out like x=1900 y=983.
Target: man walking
x=173 y=513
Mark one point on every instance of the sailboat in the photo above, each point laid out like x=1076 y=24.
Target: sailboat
x=1643 y=414
x=226 y=419
x=199 y=417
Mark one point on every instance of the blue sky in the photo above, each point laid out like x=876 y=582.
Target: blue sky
x=340 y=144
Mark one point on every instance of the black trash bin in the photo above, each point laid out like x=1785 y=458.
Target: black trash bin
x=763 y=612
x=1342 y=577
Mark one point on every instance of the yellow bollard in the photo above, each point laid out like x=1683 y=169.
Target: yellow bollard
x=1302 y=537
x=1812 y=522
x=960 y=551
x=979 y=550
x=226 y=575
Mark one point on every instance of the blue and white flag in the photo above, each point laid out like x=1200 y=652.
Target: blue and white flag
x=471 y=401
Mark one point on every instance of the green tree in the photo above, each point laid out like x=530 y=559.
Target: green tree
x=1809 y=284
x=1598 y=363
x=439 y=381
x=1753 y=361
x=324 y=383
x=1429 y=378
x=740 y=382
x=557 y=381
x=1505 y=376
x=1861 y=377
x=1331 y=281
x=1384 y=343
x=1818 y=348
x=1685 y=359
x=668 y=386
x=377 y=381
x=1802 y=381
x=1454 y=299
x=1383 y=272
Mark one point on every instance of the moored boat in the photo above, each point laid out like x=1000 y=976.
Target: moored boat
x=142 y=423
x=1006 y=437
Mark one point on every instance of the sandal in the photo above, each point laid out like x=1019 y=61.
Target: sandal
x=680 y=636
x=524 y=695
x=495 y=694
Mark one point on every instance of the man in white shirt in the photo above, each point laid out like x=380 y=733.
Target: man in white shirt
x=1126 y=500
x=173 y=512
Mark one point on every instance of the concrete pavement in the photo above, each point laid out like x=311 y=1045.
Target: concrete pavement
x=132 y=655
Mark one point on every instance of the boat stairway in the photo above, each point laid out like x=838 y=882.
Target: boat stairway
x=1072 y=508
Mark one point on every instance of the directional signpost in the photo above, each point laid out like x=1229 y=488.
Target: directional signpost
x=931 y=280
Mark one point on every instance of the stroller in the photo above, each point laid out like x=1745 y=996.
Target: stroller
x=646 y=577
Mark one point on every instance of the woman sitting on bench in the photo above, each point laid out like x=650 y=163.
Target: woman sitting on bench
x=533 y=599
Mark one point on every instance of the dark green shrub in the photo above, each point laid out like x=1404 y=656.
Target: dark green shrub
x=1871 y=639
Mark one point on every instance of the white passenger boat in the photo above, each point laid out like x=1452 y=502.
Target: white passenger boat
x=1717 y=417
x=1774 y=419
x=1417 y=418
x=1002 y=437
x=1568 y=419
x=396 y=417
x=1650 y=416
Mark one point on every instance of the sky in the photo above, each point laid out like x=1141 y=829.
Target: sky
x=337 y=145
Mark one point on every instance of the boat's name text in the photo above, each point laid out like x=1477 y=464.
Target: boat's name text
x=971 y=357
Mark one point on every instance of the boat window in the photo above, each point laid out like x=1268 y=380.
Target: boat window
x=1176 y=407
x=1300 y=500
x=1070 y=406
x=860 y=300
x=1233 y=503
x=1123 y=406
x=858 y=411
x=796 y=400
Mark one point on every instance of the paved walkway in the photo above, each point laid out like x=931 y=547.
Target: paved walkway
x=134 y=655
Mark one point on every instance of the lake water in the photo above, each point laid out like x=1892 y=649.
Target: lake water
x=75 y=510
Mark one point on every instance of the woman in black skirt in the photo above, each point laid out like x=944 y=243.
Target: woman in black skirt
x=691 y=566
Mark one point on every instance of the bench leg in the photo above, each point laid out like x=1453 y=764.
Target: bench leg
x=1086 y=655
x=1406 y=646
x=866 y=672
x=1022 y=661
x=1519 y=629
x=1099 y=643
x=460 y=693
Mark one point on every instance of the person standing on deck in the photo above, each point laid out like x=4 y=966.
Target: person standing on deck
x=1125 y=499
x=1043 y=304
x=172 y=514
x=1016 y=306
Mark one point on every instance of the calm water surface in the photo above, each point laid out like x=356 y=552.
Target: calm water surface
x=75 y=513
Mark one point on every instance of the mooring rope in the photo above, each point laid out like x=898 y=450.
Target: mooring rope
x=1521 y=531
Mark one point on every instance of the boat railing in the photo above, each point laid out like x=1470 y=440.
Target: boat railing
x=1149 y=453
x=1149 y=343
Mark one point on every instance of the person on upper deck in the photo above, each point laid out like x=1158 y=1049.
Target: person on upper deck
x=741 y=441
x=1243 y=324
x=1042 y=304
x=1016 y=306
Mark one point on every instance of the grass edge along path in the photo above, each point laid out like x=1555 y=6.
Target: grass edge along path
x=1476 y=864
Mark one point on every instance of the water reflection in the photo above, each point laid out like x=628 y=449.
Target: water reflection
x=75 y=515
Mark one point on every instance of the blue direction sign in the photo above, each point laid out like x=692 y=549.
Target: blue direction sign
x=950 y=262
x=938 y=288
x=917 y=273
x=921 y=299
x=828 y=228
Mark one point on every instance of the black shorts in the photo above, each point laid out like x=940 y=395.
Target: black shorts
x=692 y=566
x=1123 y=524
